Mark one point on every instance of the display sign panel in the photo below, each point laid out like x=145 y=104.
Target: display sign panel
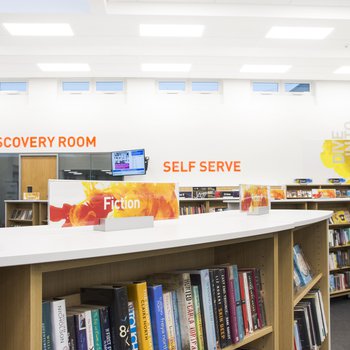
x=81 y=203
x=254 y=199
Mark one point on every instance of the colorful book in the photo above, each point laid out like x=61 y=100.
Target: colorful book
x=137 y=293
x=72 y=339
x=59 y=324
x=240 y=321
x=181 y=283
x=232 y=303
x=80 y=328
x=105 y=328
x=225 y=305
x=116 y=298
x=169 y=320
x=46 y=326
x=301 y=265
x=176 y=318
x=198 y=317
x=213 y=296
x=202 y=279
x=243 y=301
x=156 y=306
x=133 y=326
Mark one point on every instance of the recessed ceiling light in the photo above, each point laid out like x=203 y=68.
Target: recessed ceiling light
x=64 y=67
x=342 y=70
x=39 y=29
x=172 y=30
x=166 y=67
x=303 y=33
x=265 y=68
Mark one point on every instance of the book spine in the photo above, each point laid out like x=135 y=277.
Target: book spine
x=133 y=327
x=89 y=331
x=121 y=316
x=72 y=340
x=189 y=311
x=105 y=328
x=243 y=301
x=138 y=295
x=176 y=318
x=159 y=336
x=208 y=311
x=220 y=309
x=240 y=322
x=198 y=317
x=59 y=325
x=46 y=326
x=247 y=303
x=169 y=321
x=215 y=309
x=96 y=329
x=260 y=297
x=253 y=301
x=80 y=326
x=232 y=303
x=226 y=307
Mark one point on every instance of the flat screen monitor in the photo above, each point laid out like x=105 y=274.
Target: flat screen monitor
x=130 y=162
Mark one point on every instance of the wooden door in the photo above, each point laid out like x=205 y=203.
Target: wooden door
x=36 y=172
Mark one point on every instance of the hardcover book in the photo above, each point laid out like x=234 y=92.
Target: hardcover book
x=116 y=298
x=59 y=324
x=156 y=306
x=137 y=293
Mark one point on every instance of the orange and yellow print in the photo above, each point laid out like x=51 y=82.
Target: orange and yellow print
x=253 y=197
x=118 y=199
x=336 y=155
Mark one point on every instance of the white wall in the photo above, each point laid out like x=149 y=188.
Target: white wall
x=276 y=137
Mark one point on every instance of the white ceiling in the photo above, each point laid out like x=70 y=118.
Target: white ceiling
x=106 y=37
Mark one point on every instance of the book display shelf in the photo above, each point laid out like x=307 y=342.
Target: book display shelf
x=340 y=274
x=52 y=262
x=199 y=200
x=25 y=213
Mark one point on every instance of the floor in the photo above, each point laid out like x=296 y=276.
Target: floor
x=340 y=324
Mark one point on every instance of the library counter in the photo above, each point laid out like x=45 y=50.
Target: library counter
x=39 y=244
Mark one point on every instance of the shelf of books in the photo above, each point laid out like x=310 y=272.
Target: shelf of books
x=231 y=294
x=198 y=200
x=25 y=213
x=308 y=303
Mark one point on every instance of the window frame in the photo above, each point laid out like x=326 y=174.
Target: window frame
x=74 y=80
x=14 y=92
x=171 y=92
x=297 y=92
x=106 y=80
x=252 y=82
x=207 y=92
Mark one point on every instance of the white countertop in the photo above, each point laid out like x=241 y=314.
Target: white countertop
x=298 y=200
x=37 y=244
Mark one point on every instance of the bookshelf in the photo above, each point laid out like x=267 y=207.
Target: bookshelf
x=199 y=200
x=56 y=262
x=25 y=213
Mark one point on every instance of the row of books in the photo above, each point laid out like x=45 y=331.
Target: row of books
x=302 y=271
x=301 y=194
x=339 y=281
x=310 y=326
x=198 y=309
x=22 y=214
x=192 y=209
x=339 y=259
x=340 y=217
x=209 y=192
x=339 y=237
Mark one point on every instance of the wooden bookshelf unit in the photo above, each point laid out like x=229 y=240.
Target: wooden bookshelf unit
x=42 y=262
x=25 y=213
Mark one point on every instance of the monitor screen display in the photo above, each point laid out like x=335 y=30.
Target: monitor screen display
x=128 y=162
